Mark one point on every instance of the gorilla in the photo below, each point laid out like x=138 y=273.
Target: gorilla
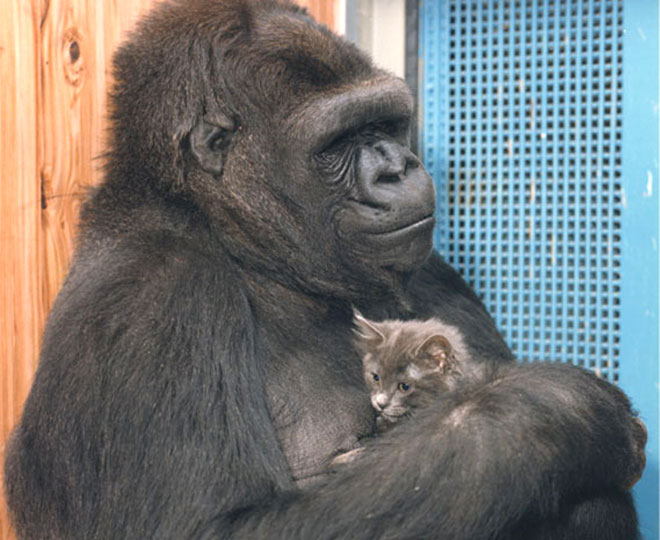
x=197 y=374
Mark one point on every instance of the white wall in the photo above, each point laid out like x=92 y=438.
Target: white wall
x=377 y=27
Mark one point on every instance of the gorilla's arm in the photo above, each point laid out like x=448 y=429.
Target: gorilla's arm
x=502 y=457
x=438 y=290
x=606 y=516
x=145 y=416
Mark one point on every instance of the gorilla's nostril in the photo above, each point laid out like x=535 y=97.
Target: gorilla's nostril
x=389 y=179
x=412 y=164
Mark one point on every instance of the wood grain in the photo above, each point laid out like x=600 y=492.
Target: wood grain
x=55 y=68
x=22 y=316
x=322 y=10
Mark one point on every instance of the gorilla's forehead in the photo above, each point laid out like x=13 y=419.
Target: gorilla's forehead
x=295 y=59
x=346 y=108
x=309 y=51
x=307 y=76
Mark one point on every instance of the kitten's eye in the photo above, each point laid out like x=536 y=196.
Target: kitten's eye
x=376 y=377
x=404 y=387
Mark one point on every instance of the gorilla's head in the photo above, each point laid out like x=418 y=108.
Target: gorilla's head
x=286 y=136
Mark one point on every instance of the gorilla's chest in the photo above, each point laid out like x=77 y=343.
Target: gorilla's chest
x=318 y=408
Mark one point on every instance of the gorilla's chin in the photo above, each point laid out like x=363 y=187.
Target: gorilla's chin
x=403 y=250
x=409 y=248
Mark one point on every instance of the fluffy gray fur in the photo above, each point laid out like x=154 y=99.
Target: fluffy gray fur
x=408 y=364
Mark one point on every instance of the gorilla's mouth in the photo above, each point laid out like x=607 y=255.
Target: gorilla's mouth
x=412 y=229
x=397 y=245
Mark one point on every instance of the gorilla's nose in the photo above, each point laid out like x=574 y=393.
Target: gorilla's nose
x=394 y=158
x=393 y=187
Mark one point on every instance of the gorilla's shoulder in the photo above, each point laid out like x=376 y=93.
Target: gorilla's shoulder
x=439 y=276
x=121 y=270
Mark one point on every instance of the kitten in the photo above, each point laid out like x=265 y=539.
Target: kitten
x=408 y=364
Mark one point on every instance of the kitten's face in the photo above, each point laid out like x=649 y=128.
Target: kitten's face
x=393 y=392
x=404 y=366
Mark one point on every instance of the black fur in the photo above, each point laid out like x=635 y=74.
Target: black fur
x=197 y=374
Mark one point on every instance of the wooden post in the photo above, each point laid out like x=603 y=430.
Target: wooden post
x=322 y=10
x=22 y=315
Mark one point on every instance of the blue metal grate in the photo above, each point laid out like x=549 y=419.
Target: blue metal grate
x=540 y=127
x=528 y=99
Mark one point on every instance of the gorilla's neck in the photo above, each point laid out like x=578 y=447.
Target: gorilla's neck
x=290 y=315
x=293 y=313
x=307 y=290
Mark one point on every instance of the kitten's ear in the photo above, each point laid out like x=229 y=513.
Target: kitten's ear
x=366 y=330
x=436 y=351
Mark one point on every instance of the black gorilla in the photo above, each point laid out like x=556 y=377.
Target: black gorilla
x=197 y=374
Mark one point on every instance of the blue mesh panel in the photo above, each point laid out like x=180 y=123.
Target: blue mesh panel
x=545 y=151
x=528 y=102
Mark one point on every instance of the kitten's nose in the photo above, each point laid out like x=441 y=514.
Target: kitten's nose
x=379 y=401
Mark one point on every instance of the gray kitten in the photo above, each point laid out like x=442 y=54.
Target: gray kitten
x=408 y=364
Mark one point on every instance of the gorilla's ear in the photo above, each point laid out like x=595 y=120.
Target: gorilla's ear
x=209 y=141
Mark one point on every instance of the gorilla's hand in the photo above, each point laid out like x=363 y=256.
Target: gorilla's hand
x=639 y=437
x=588 y=426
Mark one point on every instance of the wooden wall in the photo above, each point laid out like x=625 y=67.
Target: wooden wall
x=54 y=73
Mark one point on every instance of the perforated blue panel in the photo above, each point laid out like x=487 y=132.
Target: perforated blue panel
x=541 y=205
x=532 y=178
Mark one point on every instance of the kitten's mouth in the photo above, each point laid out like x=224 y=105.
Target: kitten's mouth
x=388 y=416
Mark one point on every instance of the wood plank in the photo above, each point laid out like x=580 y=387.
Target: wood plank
x=322 y=10
x=20 y=202
x=68 y=127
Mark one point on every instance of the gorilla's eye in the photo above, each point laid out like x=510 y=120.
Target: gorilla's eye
x=394 y=128
x=404 y=387
x=335 y=160
x=221 y=140
x=376 y=377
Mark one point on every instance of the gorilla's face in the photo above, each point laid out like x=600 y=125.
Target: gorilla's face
x=369 y=201
x=311 y=167
x=385 y=215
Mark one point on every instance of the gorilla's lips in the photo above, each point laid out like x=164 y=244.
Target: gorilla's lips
x=402 y=248
x=412 y=229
